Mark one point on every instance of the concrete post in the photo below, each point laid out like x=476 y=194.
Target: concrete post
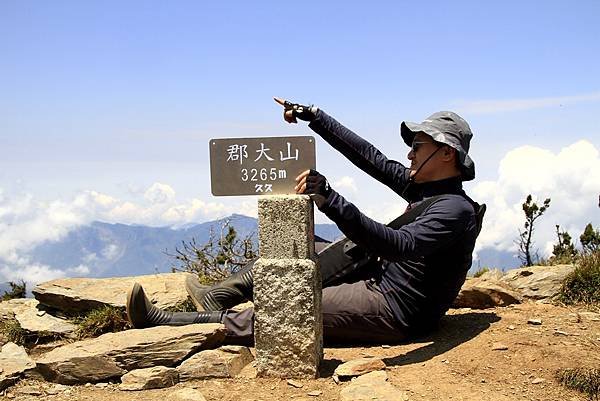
x=288 y=326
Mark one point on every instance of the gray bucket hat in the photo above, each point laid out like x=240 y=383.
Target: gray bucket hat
x=448 y=128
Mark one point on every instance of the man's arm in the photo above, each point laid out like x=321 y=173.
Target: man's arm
x=439 y=226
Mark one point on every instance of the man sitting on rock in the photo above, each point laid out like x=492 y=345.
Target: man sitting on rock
x=415 y=271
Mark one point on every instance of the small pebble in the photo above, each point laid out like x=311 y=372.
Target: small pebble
x=538 y=380
x=561 y=333
x=385 y=346
x=314 y=393
x=535 y=322
x=499 y=347
x=336 y=379
x=41 y=313
x=294 y=383
x=511 y=327
x=101 y=385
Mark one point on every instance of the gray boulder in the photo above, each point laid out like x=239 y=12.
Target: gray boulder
x=538 y=282
x=114 y=354
x=14 y=361
x=76 y=295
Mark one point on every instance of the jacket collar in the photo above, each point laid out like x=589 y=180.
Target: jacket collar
x=452 y=185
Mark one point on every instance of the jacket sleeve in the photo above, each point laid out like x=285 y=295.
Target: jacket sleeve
x=439 y=226
x=363 y=154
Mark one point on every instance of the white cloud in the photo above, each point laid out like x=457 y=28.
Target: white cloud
x=570 y=178
x=26 y=222
x=345 y=183
x=507 y=105
x=30 y=273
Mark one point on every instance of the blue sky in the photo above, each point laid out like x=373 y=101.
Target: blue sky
x=104 y=105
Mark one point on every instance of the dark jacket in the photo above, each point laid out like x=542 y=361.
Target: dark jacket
x=425 y=262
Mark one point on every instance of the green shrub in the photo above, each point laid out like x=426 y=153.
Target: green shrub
x=583 y=284
x=481 y=272
x=17 y=290
x=108 y=319
x=11 y=331
x=585 y=380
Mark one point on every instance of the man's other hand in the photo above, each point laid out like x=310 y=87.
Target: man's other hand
x=292 y=111
x=315 y=185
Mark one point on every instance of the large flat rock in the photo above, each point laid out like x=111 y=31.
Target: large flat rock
x=34 y=319
x=538 y=282
x=14 y=361
x=114 y=354
x=77 y=295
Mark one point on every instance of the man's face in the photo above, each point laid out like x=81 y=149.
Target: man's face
x=423 y=147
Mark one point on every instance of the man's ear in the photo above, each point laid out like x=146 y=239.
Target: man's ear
x=448 y=153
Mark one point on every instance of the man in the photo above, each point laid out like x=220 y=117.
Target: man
x=415 y=271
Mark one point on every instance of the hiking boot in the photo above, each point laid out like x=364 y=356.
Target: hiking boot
x=230 y=292
x=142 y=313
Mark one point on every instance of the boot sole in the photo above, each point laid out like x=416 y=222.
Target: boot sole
x=192 y=286
x=131 y=295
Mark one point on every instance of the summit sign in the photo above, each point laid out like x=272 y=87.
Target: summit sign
x=259 y=166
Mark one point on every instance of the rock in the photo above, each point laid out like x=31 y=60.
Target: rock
x=357 y=367
x=226 y=361
x=113 y=354
x=499 y=347
x=535 y=322
x=14 y=361
x=295 y=383
x=34 y=320
x=372 y=386
x=314 y=393
x=149 y=378
x=481 y=293
x=538 y=380
x=187 y=394
x=538 y=282
x=56 y=389
x=29 y=390
x=76 y=295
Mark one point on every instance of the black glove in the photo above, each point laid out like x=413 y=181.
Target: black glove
x=317 y=187
x=305 y=113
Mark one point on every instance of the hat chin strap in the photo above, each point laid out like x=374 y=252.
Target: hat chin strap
x=412 y=179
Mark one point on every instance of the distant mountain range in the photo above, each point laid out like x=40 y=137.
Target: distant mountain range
x=114 y=250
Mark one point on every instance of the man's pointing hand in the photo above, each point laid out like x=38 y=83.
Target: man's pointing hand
x=292 y=111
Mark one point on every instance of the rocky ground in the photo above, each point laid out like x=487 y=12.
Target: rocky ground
x=501 y=353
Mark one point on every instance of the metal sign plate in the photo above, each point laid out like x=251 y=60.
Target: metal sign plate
x=259 y=166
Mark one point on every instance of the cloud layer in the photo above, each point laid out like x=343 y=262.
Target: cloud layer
x=26 y=222
x=570 y=178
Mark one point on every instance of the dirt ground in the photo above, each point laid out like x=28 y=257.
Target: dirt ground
x=457 y=362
